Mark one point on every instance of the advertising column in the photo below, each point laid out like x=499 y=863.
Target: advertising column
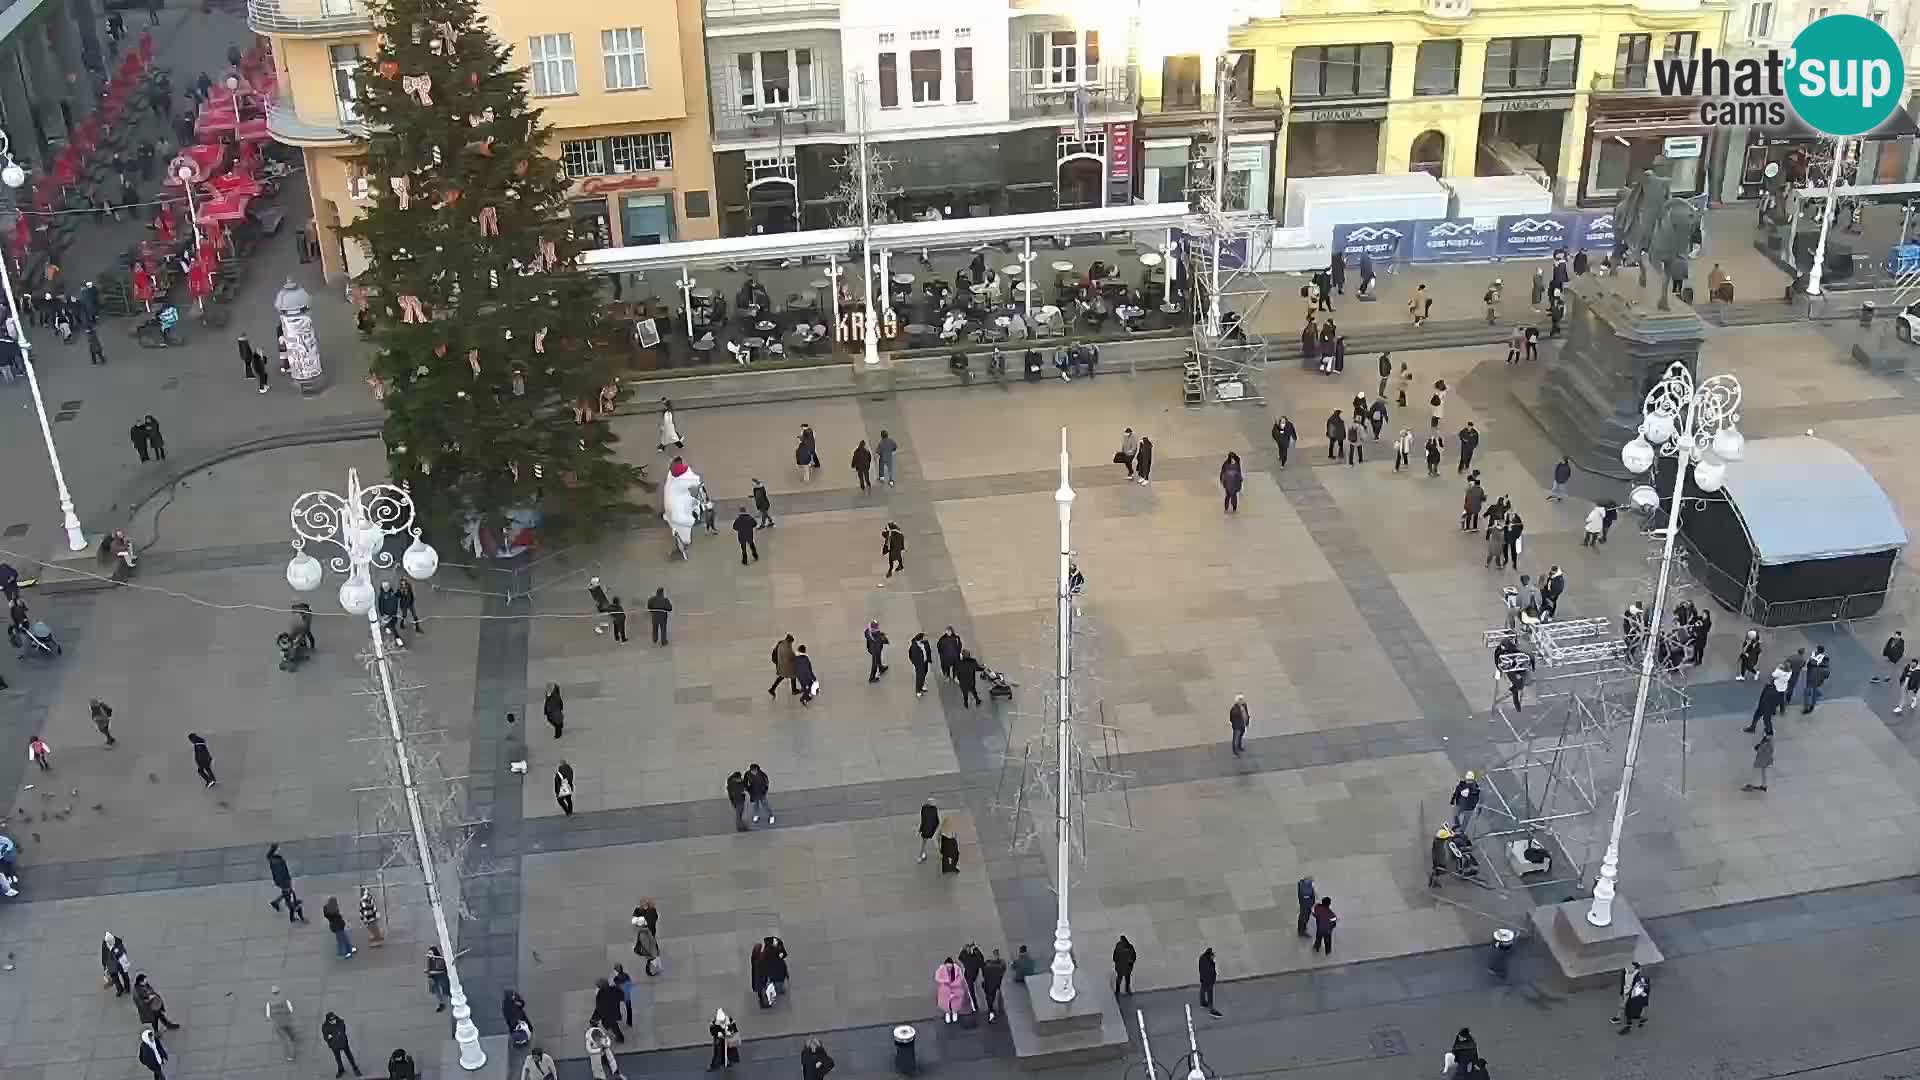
x=296 y=329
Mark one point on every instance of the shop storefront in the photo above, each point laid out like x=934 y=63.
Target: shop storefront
x=1884 y=154
x=1168 y=162
x=1334 y=140
x=1521 y=135
x=1627 y=139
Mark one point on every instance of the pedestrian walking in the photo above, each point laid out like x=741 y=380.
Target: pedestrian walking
x=370 y=918
x=555 y=709
x=601 y=1062
x=1143 y=462
x=617 y=613
x=1892 y=651
x=283 y=880
x=1596 y=524
x=1124 y=957
x=253 y=364
x=1749 y=658
x=153 y=1054
x=155 y=441
x=966 y=671
x=1465 y=800
x=539 y=1065
x=1209 y=974
x=992 y=974
x=972 y=960
x=202 y=757
x=1516 y=529
x=337 y=923
x=1562 y=472
x=96 y=352
x=279 y=1010
x=1468 y=440
x=1356 y=449
x=389 y=605
x=949 y=848
x=743 y=527
x=737 y=795
x=920 y=655
x=102 y=714
x=893 y=544
x=646 y=935
x=929 y=825
x=1284 y=436
x=513 y=1009
x=1402 y=449
x=883 y=454
x=598 y=595
x=758 y=784
x=333 y=1032
x=726 y=1040
x=806 y=454
x=115 y=966
x=149 y=1005
x=948 y=648
x=1129 y=448
x=1906 y=691
x=1386 y=372
x=409 y=612
x=400 y=1065
x=950 y=990
x=774 y=953
x=815 y=1062
x=1377 y=417
x=606 y=1008
x=1464 y=1053
x=803 y=675
x=1303 y=891
x=1324 y=920
x=1796 y=669
x=782 y=659
x=1471 y=505
x=1336 y=435
x=875 y=640
x=1433 y=454
x=669 y=430
x=1634 y=992
x=1772 y=692
x=1819 y=666
x=39 y=753
x=763 y=503
x=1231 y=478
x=863 y=465
x=1420 y=305
x=1698 y=632
x=1762 y=761
x=1238 y=717
x=1550 y=591
x=658 y=608
x=563 y=787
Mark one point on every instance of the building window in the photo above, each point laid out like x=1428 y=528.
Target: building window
x=1436 y=68
x=1760 y=20
x=1681 y=46
x=780 y=165
x=963 y=74
x=1630 y=62
x=1092 y=141
x=1879 y=17
x=1063 y=57
x=624 y=52
x=923 y=67
x=699 y=204
x=582 y=157
x=1532 y=63
x=640 y=153
x=553 y=74
x=1240 y=77
x=1180 y=81
x=963 y=33
x=1342 y=71
x=345 y=61
x=889 y=80
x=1814 y=15
x=923 y=35
x=775 y=78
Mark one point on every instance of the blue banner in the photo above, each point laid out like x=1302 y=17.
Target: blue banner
x=1596 y=232
x=1537 y=236
x=1384 y=241
x=1453 y=240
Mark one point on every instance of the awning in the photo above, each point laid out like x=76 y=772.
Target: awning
x=1898 y=126
x=1805 y=498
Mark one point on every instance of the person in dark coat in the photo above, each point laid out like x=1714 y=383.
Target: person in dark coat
x=283 y=880
x=893 y=544
x=153 y=1054
x=1231 y=479
x=597 y=594
x=658 y=608
x=1433 y=455
x=757 y=974
x=563 y=787
x=1377 y=416
x=949 y=849
x=617 y=612
x=155 y=440
x=929 y=826
x=1284 y=436
x=737 y=795
x=743 y=526
x=149 y=1005
x=400 y=1066
x=876 y=641
x=114 y=963
x=1143 y=461
x=1468 y=439
x=1324 y=920
x=776 y=960
x=971 y=961
x=1304 y=892
x=815 y=1062
x=555 y=708
x=920 y=655
x=992 y=974
x=1310 y=341
x=1336 y=435
x=966 y=671
x=1124 y=957
x=803 y=674
x=1337 y=273
x=333 y=1031
x=138 y=433
x=948 y=648
x=607 y=1003
x=202 y=757
x=1209 y=974
x=863 y=465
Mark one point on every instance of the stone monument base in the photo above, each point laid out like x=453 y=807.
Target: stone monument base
x=1047 y=1034
x=1589 y=956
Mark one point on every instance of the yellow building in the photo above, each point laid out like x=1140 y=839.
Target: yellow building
x=624 y=85
x=1562 y=91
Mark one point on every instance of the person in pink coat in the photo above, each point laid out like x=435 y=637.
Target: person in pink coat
x=950 y=989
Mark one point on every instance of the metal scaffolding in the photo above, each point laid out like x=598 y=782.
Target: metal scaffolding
x=1223 y=253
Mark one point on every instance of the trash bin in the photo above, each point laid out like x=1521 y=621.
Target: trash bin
x=904 y=1061
x=1866 y=313
x=1502 y=955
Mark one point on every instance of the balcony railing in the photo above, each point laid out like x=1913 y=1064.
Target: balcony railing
x=772 y=10
x=317 y=17
x=737 y=122
x=288 y=126
x=1034 y=93
x=1184 y=100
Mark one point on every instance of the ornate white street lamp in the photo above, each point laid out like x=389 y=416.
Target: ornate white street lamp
x=358 y=523
x=1694 y=424
x=1826 y=218
x=15 y=177
x=1063 y=989
x=193 y=214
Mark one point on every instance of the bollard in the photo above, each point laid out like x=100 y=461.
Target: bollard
x=1866 y=313
x=1502 y=955
x=904 y=1061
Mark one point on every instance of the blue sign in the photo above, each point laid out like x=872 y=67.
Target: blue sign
x=1383 y=241
x=1596 y=231
x=1536 y=236
x=1453 y=240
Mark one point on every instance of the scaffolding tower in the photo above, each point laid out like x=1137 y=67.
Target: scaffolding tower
x=1224 y=251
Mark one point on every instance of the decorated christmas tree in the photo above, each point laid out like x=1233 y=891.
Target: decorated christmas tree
x=490 y=344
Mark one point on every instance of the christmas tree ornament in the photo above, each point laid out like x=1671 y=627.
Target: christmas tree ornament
x=440 y=348
x=447 y=31
x=426 y=467
x=493 y=279
x=483 y=147
x=437 y=46
x=484 y=116
x=410 y=310
x=513 y=469
x=540 y=340
x=489 y=221
x=420 y=86
x=378 y=386
x=473 y=361
x=519 y=383
x=539 y=471
x=390 y=68
x=402 y=189
x=421 y=372
x=520 y=167
x=473 y=78
x=435 y=150
x=460 y=394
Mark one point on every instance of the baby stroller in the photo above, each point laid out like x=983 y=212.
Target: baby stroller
x=999 y=687
x=35 y=638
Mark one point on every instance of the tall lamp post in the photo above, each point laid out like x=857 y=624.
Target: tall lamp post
x=871 y=340
x=15 y=177
x=1694 y=424
x=358 y=523
x=1826 y=218
x=186 y=175
x=1063 y=989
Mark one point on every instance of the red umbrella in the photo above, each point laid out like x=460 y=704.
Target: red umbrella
x=235 y=183
x=214 y=120
x=254 y=130
x=224 y=208
x=146 y=45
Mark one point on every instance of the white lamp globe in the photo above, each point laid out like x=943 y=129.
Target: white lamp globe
x=1637 y=455
x=185 y=174
x=356 y=596
x=1729 y=444
x=1644 y=497
x=304 y=572
x=13 y=175
x=1657 y=427
x=420 y=560
x=1709 y=474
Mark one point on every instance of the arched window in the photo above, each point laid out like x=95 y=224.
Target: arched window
x=1429 y=153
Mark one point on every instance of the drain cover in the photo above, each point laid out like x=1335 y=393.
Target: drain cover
x=67 y=414
x=1388 y=1042
x=19 y=529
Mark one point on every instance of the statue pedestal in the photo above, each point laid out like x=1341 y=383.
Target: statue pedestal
x=1617 y=346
